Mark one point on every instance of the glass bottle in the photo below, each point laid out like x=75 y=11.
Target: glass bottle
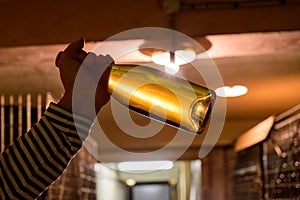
x=161 y=96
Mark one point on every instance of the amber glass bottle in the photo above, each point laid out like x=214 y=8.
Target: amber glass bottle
x=167 y=98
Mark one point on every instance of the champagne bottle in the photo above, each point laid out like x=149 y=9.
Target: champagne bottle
x=164 y=97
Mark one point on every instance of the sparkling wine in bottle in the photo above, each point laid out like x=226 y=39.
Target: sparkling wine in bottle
x=161 y=96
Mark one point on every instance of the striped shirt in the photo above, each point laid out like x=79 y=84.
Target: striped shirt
x=36 y=159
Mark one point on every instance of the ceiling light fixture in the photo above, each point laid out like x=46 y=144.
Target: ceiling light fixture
x=172 y=60
x=174 y=51
x=144 y=166
x=235 y=91
x=180 y=50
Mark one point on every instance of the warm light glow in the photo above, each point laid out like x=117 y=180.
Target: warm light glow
x=235 y=91
x=184 y=56
x=171 y=68
x=181 y=57
x=154 y=101
x=130 y=182
x=173 y=181
x=142 y=166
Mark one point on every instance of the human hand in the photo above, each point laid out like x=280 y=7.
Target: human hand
x=69 y=62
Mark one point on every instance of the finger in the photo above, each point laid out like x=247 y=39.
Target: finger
x=58 y=58
x=90 y=60
x=77 y=45
x=104 y=61
x=74 y=50
x=109 y=59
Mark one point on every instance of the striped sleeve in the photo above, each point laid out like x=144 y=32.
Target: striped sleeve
x=38 y=158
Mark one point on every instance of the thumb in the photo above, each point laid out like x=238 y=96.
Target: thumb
x=74 y=50
x=77 y=45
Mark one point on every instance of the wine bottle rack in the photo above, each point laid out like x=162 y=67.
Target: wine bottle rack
x=270 y=169
x=282 y=160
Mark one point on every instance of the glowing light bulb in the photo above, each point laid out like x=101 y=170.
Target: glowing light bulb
x=181 y=57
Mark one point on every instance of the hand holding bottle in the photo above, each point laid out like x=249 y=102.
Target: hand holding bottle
x=69 y=61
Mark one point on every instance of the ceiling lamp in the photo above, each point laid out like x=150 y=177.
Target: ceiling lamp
x=181 y=50
x=235 y=91
x=172 y=60
x=174 y=51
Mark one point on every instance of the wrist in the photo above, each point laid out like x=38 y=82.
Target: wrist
x=66 y=102
x=85 y=108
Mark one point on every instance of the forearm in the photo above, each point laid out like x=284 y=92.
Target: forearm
x=39 y=157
